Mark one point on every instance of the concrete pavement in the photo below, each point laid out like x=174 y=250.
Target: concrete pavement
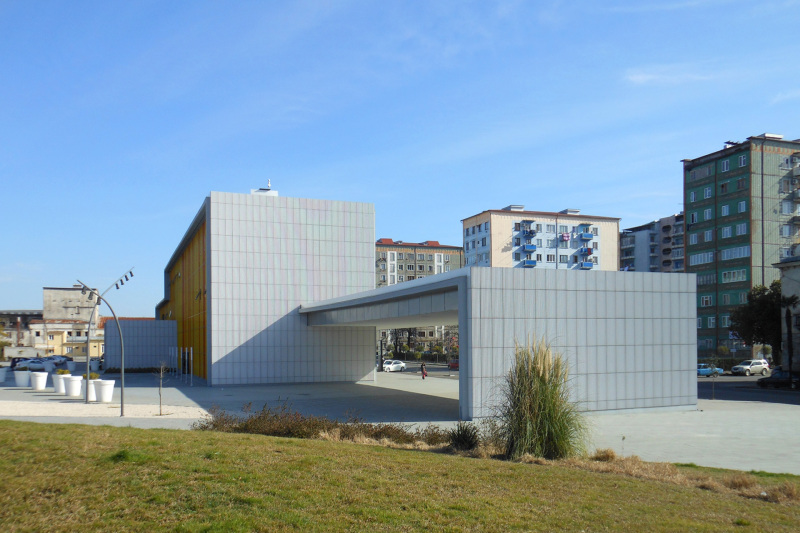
x=742 y=435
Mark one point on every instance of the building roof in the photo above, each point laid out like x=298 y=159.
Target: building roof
x=104 y=319
x=730 y=147
x=58 y=321
x=543 y=213
x=424 y=244
x=22 y=312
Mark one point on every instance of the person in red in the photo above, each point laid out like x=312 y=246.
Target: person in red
x=423 y=370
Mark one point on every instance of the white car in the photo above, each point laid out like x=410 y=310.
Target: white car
x=751 y=366
x=393 y=366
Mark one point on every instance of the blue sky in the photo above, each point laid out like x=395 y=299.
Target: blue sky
x=118 y=118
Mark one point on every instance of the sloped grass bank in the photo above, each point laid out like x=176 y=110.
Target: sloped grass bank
x=72 y=477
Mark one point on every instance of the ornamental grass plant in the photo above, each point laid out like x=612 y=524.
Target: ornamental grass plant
x=537 y=416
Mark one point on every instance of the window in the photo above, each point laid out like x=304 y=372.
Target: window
x=447 y=268
x=420 y=267
x=786 y=230
x=706 y=279
x=483 y=241
x=723 y=188
x=708 y=235
x=69 y=349
x=383 y=277
x=486 y=226
x=725 y=321
x=391 y=268
x=391 y=256
x=538 y=227
x=38 y=333
x=538 y=257
x=480 y=228
x=742 y=297
x=692 y=196
x=692 y=218
x=741 y=229
x=725 y=210
x=409 y=257
x=400 y=278
x=705 y=301
x=563 y=258
x=693 y=238
x=786 y=185
x=391 y=279
x=741 y=184
x=712 y=322
x=517 y=241
x=420 y=257
x=727 y=232
x=596 y=246
x=383 y=255
x=538 y=242
x=787 y=207
x=699 y=322
x=551 y=228
x=742 y=206
x=735 y=253
x=447 y=258
x=516 y=226
x=551 y=243
x=732 y=276
x=726 y=166
x=473 y=230
x=516 y=256
x=742 y=160
x=49 y=337
x=563 y=229
x=707 y=192
x=400 y=267
x=707 y=214
x=466 y=232
x=430 y=256
x=430 y=268
x=594 y=231
x=726 y=299
x=701 y=258
x=563 y=244
x=551 y=258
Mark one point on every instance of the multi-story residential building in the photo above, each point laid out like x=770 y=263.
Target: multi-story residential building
x=654 y=247
x=398 y=261
x=742 y=216
x=16 y=323
x=514 y=238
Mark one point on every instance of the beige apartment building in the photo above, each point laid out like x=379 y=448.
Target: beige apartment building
x=515 y=238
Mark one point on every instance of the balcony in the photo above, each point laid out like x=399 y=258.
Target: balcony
x=666 y=251
x=678 y=230
x=528 y=248
x=796 y=195
x=76 y=339
x=627 y=244
x=586 y=265
x=585 y=236
x=528 y=263
x=588 y=251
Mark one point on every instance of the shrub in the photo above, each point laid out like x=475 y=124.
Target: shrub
x=62 y=372
x=464 y=436
x=536 y=413
x=92 y=375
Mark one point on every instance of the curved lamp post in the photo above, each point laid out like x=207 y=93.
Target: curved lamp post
x=100 y=298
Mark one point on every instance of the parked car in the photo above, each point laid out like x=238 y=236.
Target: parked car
x=453 y=364
x=708 y=370
x=780 y=378
x=751 y=366
x=394 y=366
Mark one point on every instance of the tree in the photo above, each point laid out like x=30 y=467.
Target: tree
x=4 y=341
x=759 y=320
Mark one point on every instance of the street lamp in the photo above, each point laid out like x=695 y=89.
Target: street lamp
x=100 y=298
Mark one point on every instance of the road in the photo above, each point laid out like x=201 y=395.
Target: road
x=743 y=389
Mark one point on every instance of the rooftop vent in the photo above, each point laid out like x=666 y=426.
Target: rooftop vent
x=514 y=208
x=265 y=192
x=570 y=212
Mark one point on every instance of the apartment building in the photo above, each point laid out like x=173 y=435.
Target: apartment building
x=399 y=261
x=515 y=238
x=657 y=246
x=742 y=208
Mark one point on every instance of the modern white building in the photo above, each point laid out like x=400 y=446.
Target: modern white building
x=514 y=238
x=267 y=289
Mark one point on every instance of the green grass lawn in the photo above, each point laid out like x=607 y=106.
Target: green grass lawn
x=87 y=478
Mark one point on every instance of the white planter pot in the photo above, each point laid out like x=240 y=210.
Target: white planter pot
x=58 y=383
x=49 y=366
x=3 y=373
x=92 y=393
x=22 y=378
x=94 y=365
x=39 y=380
x=105 y=389
x=71 y=366
x=72 y=384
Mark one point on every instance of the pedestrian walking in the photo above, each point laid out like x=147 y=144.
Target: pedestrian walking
x=423 y=370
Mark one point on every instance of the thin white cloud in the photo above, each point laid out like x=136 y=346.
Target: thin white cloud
x=784 y=96
x=649 y=7
x=667 y=75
